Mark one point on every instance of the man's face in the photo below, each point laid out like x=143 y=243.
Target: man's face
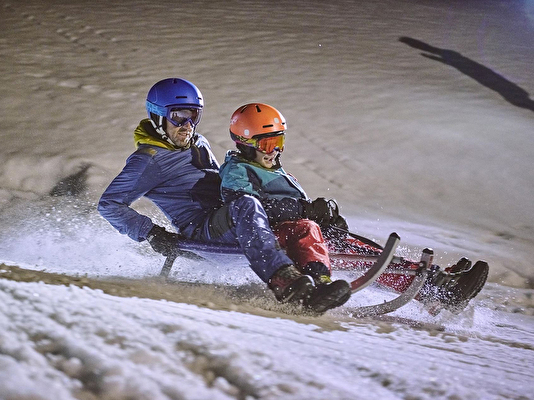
x=180 y=135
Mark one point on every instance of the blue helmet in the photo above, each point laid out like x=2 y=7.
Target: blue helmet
x=173 y=94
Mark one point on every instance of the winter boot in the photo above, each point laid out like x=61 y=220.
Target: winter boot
x=289 y=285
x=462 y=265
x=328 y=294
x=454 y=290
x=464 y=286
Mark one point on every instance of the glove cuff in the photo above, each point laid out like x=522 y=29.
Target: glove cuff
x=304 y=206
x=156 y=230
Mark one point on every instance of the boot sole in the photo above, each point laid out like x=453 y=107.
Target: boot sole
x=483 y=271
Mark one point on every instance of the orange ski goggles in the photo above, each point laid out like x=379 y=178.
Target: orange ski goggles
x=267 y=144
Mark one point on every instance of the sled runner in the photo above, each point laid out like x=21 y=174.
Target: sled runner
x=356 y=254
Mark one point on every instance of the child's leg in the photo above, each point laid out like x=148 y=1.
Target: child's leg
x=304 y=244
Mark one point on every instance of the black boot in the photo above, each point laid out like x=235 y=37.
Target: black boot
x=463 y=265
x=454 y=290
x=289 y=285
x=464 y=286
x=328 y=294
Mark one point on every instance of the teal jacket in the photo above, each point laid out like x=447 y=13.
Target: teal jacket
x=279 y=192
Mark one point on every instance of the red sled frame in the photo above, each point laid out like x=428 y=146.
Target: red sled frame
x=383 y=262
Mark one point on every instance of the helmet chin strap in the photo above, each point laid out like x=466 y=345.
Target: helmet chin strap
x=278 y=161
x=159 y=129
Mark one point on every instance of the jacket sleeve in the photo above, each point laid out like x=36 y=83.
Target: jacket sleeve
x=236 y=181
x=137 y=178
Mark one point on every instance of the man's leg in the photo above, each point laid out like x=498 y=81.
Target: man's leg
x=251 y=231
x=244 y=222
x=451 y=288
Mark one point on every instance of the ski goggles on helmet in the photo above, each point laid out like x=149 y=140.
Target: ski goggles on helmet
x=267 y=144
x=181 y=116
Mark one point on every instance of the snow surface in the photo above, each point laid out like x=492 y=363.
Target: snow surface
x=58 y=342
x=437 y=147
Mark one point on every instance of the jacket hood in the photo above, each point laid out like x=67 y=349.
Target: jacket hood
x=146 y=134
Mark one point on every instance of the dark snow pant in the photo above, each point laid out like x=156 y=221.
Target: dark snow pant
x=244 y=222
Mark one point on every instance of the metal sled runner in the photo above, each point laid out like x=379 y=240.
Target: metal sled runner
x=382 y=262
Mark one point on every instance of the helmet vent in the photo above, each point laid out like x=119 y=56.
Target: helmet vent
x=181 y=97
x=268 y=126
x=258 y=109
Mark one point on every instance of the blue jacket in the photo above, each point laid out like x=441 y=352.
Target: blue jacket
x=184 y=184
x=278 y=191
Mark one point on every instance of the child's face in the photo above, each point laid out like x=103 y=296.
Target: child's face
x=266 y=160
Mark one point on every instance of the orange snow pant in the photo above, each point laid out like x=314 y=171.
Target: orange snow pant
x=303 y=242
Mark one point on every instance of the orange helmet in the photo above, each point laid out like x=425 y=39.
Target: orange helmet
x=258 y=125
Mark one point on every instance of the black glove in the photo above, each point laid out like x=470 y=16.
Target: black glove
x=162 y=242
x=319 y=210
x=324 y=212
x=340 y=222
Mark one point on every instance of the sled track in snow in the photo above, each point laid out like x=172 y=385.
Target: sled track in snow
x=255 y=299
x=252 y=299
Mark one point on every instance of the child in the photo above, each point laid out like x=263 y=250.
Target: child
x=299 y=223
x=255 y=170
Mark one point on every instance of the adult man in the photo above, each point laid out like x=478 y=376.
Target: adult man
x=174 y=167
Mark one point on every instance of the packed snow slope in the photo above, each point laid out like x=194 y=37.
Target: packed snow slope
x=74 y=342
x=417 y=116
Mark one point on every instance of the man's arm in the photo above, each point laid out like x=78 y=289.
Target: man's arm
x=136 y=179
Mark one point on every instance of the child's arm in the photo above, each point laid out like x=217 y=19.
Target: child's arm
x=239 y=180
